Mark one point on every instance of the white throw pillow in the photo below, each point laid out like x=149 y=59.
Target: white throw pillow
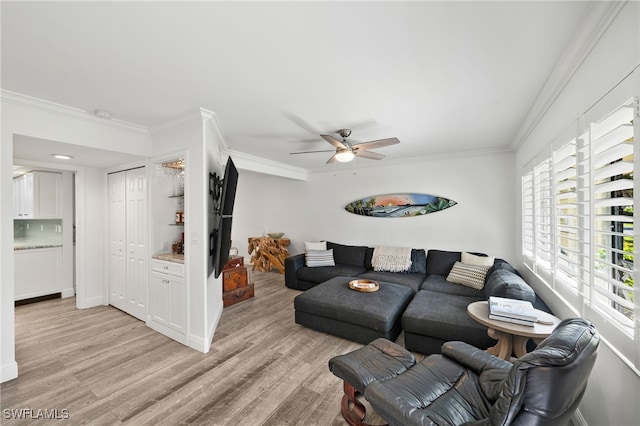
x=472 y=259
x=468 y=275
x=322 y=245
x=315 y=258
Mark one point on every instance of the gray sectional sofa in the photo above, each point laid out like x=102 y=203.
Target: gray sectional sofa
x=434 y=312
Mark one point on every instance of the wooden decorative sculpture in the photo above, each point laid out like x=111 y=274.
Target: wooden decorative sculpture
x=268 y=253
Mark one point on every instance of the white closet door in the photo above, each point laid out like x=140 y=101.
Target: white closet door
x=136 y=223
x=117 y=237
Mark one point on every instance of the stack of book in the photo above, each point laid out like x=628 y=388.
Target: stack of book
x=511 y=310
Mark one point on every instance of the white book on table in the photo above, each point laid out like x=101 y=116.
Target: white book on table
x=512 y=320
x=512 y=308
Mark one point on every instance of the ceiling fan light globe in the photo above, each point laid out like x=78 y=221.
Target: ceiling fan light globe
x=344 y=156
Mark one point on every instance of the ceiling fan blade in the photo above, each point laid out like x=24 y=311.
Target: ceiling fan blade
x=311 y=152
x=377 y=144
x=368 y=154
x=332 y=159
x=333 y=141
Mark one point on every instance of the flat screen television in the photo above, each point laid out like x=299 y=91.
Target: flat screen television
x=221 y=241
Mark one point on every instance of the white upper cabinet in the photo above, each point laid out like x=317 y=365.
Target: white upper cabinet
x=38 y=195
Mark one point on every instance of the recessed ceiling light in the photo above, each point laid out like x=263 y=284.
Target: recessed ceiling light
x=62 y=156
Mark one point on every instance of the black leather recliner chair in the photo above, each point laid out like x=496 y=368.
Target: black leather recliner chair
x=465 y=385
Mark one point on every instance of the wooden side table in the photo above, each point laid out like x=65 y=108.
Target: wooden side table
x=268 y=253
x=512 y=338
x=235 y=282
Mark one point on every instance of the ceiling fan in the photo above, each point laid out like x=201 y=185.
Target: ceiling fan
x=345 y=151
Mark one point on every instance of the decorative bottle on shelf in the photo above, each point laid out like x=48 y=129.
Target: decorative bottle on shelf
x=180 y=212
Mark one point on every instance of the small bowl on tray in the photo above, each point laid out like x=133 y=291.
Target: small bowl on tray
x=366 y=286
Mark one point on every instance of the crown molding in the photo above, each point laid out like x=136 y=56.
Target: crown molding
x=591 y=27
x=30 y=102
x=262 y=165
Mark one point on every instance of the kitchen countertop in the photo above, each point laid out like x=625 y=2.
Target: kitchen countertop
x=169 y=257
x=30 y=244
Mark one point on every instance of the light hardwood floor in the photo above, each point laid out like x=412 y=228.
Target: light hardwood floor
x=107 y=368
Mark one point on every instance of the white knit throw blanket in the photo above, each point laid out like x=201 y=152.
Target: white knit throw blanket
x=392 y=259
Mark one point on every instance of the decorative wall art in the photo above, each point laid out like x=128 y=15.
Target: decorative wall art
x=399 y=205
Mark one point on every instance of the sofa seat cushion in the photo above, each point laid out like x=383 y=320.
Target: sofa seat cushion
x=445 y=317
x=324 y=273
x=334 y=308
x=439 y=284
x=413 y=281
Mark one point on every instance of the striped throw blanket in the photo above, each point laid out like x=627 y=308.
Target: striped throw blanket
x=392 y=259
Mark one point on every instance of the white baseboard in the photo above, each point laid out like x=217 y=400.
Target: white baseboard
x=68 y=292
x=8 y=372
x=89 y=303
x=578 y=419
x=167 y=331
x=198 y=343
x=213 y=325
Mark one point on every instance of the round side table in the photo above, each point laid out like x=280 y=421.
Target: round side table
x=512 y=338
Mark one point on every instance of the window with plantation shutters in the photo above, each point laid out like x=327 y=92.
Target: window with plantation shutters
x=612 y=165
x=567 y=236
x=578 y=222
x=527 y=218
x=543 y=226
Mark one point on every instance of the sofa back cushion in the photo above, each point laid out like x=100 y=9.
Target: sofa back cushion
x=503 y=264
x=440 y=262
x=418 y=261
x=348 y=255
x=504 y=283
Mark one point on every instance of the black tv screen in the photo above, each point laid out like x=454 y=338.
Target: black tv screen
x=222 y=234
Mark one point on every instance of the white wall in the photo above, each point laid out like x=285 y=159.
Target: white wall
x=483 y=219
x=614 y=388
x=274 y=203
x=313 y=210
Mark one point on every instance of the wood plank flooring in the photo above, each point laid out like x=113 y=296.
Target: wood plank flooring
x=104 y=367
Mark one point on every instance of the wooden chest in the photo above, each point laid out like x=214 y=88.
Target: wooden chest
x=235 y=282
x=238 y=295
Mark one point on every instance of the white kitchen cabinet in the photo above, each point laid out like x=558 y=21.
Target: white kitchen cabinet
x=38 y=195
x=167 y=299
x=37 y=272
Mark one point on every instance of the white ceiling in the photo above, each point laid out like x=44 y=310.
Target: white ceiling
x=443 y=77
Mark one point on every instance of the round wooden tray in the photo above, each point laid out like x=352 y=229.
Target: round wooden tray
x=366 y=286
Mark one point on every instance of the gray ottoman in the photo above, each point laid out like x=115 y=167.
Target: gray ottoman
x=332 y=307
x=433 y=318
x=379 y=360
